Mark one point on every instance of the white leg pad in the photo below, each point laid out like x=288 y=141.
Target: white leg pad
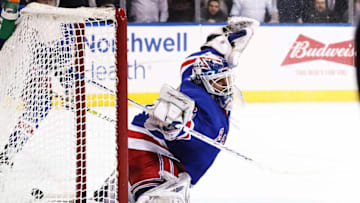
x=174 y=190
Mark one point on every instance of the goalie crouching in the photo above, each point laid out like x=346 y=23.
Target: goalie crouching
x=164 y=161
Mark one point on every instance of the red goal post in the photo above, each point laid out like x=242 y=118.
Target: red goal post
x=63 y=106
x=122 y=103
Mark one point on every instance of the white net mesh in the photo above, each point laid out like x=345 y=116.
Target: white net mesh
x=57 y=106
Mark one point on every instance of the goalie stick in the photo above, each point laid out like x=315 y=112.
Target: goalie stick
x=190 y=131
x=71 y=108
x=198 y=135
x=221 y=147
x=144 y=108
x=186 y=129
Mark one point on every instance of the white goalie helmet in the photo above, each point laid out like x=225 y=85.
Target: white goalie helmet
x=215 y=74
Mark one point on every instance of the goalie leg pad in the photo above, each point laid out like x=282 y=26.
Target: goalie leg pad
x=144 y=167
x=173 y=190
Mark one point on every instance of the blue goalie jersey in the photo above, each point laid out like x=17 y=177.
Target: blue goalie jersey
x=209 y=119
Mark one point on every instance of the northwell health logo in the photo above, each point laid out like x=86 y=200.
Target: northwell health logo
x=305 y=49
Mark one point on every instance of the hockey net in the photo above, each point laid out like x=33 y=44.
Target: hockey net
x=63 y=107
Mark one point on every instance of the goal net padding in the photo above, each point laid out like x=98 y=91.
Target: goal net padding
x=63 y=101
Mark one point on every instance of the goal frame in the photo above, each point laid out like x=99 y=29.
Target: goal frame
x=122 y=106
x=80 y=186
x=121 y=111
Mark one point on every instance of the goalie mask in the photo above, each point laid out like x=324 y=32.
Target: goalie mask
x=215 y=74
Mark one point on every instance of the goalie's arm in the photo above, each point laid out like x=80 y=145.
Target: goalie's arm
x=231 y=40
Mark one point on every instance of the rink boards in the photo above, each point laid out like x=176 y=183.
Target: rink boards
x=282 y=63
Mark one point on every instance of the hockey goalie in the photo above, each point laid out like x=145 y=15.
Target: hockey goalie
x=171 y=159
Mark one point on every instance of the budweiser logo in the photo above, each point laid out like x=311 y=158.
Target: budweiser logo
x=305 y=49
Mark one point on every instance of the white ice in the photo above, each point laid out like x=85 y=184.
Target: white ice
x=309 y=153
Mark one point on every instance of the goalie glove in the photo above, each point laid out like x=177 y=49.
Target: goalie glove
x=232 y=39
x=170 y=112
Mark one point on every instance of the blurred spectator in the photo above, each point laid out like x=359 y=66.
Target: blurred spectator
x=49 y=2
x=212 y=12
x=319 y=14
x=356 y=11
x=357 y=57
x=338 y=10
x=308 y=9
x=225 y=5
x=229 y=4
x=290 y=11
x=256 y=9
x=105 y=3
x=128 y=10
x=181 y=11
x=73 y=3
x=63 y=3
x=149 y=10
x=356 y=6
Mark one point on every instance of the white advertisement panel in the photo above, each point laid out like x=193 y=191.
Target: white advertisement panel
x=155 y=54
x=99 y=60
x=278 y=58
x=299 y=58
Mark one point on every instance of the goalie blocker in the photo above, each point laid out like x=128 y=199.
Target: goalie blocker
x=172 y=108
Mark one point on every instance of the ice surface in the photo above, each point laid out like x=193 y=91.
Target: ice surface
x=316 y=144
x=313 y=148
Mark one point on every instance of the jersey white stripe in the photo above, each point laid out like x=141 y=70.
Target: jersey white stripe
x=144 y=145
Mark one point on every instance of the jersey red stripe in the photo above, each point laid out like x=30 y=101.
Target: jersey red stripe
x=187 y=63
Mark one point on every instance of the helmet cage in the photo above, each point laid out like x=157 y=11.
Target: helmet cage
x=220 y=84
x=215 y=75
